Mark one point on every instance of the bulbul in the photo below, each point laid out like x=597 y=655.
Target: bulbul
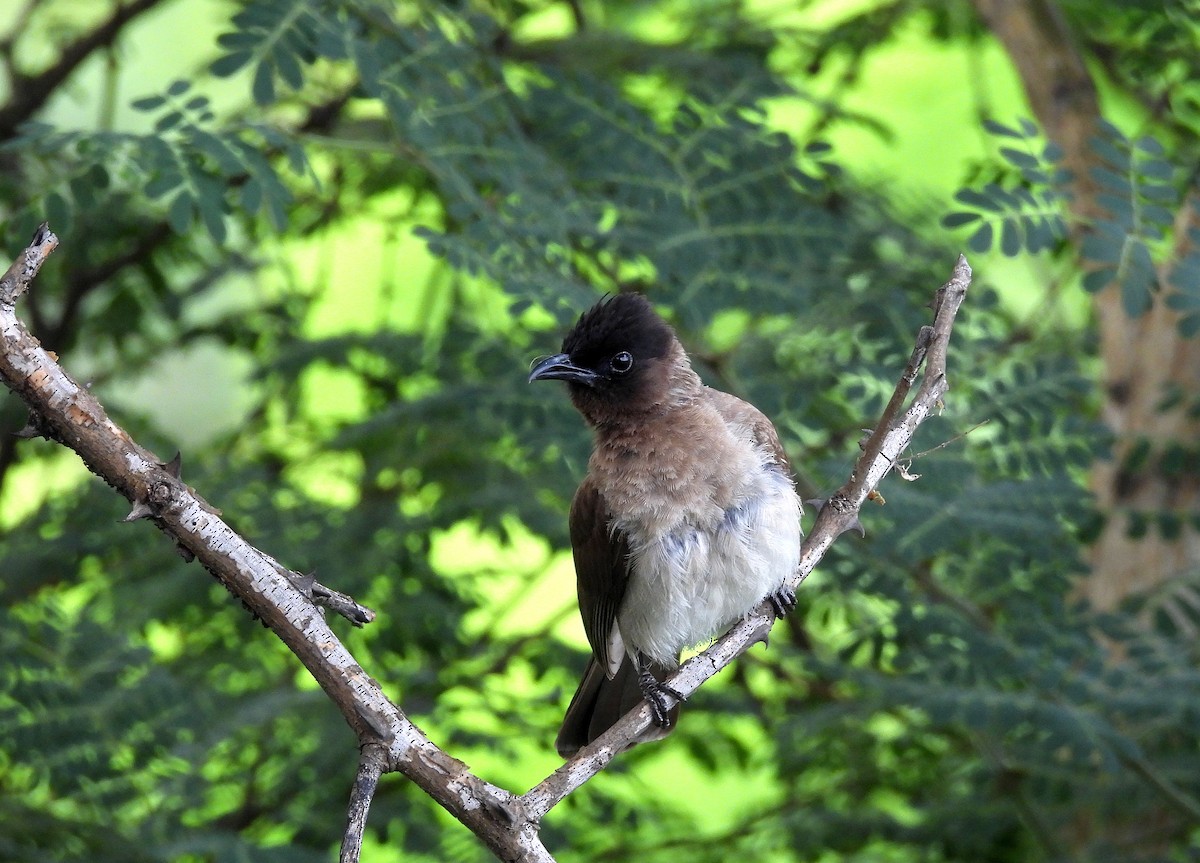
x=687 y=518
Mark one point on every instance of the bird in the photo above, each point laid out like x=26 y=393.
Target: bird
x=686 y=519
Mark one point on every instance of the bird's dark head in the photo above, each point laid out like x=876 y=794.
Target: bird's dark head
x=616 y=359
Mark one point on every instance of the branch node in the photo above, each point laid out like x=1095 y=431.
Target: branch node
x=509 y=809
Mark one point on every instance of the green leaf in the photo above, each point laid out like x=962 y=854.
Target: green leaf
x=1110 y=179
x=231 y=63
x=1010 y=238
x=1120 y=206
x=1137 y=279
x=1103 y=247
x=1039 y=233
x=148 y=103
x=239 y=40
x=162 y=184
x=956 y=220
x=1157 y=215
x=168 y=121
x=82 y=191
x=1117 y=158
x=1000 y=130
x=263 y=88
x=213 y=216
x=981 y=240
x=1149 y=145
x=180 y=213
x=252 y=195
x=981 y=200
x=1157 y=169
x=216 y=149
x=1019 y=158
x=289 y=69
x=1098 y=279
x=1161 y=193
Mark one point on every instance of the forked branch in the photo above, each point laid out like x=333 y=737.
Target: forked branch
x=287 y=602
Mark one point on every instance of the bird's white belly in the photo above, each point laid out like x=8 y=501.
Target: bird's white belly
x=690 y=583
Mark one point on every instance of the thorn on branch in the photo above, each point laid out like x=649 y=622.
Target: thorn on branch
x=35 y=426
x=141 y=509
x=303 y=581
x=855 y=525
x=175 y=466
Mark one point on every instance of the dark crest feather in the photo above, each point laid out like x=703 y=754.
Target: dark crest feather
x=623 y=322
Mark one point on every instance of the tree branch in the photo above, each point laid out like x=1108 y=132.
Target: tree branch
x=370 y=767
x=284 y=600
x=68 y=413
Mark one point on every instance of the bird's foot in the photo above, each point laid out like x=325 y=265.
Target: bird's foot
x=782 y=600
x=659 y=696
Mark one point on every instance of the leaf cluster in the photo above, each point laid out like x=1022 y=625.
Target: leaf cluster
x=1140 y=191
x=935 y=669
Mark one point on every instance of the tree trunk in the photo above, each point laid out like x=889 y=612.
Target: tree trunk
x=1148 y=490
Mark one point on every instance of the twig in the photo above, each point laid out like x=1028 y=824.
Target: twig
x=16 y=279
x=911 y=458
x=370 y=767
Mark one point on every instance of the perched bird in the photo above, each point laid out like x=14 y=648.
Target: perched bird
x=686 y=520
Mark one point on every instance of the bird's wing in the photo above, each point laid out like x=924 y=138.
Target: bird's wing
x=601 y=571
x=748 y=421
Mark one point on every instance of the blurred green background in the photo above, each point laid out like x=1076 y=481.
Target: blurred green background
x=315 y=245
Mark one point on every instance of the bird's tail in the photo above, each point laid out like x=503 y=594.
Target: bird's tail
x=599 y=702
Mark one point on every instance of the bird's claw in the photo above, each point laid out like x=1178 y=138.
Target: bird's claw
x=783 y=601
x=659 y=696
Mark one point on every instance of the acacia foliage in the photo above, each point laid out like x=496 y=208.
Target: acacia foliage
x=934 y=697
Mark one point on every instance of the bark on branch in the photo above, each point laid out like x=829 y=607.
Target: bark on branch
x=506 y=822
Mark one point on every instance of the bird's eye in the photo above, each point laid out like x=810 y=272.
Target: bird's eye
x=622 y=362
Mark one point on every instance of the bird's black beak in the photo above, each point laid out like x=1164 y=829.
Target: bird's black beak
x=560 y=368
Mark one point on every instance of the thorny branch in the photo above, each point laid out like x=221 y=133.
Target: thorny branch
x=286 y=600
